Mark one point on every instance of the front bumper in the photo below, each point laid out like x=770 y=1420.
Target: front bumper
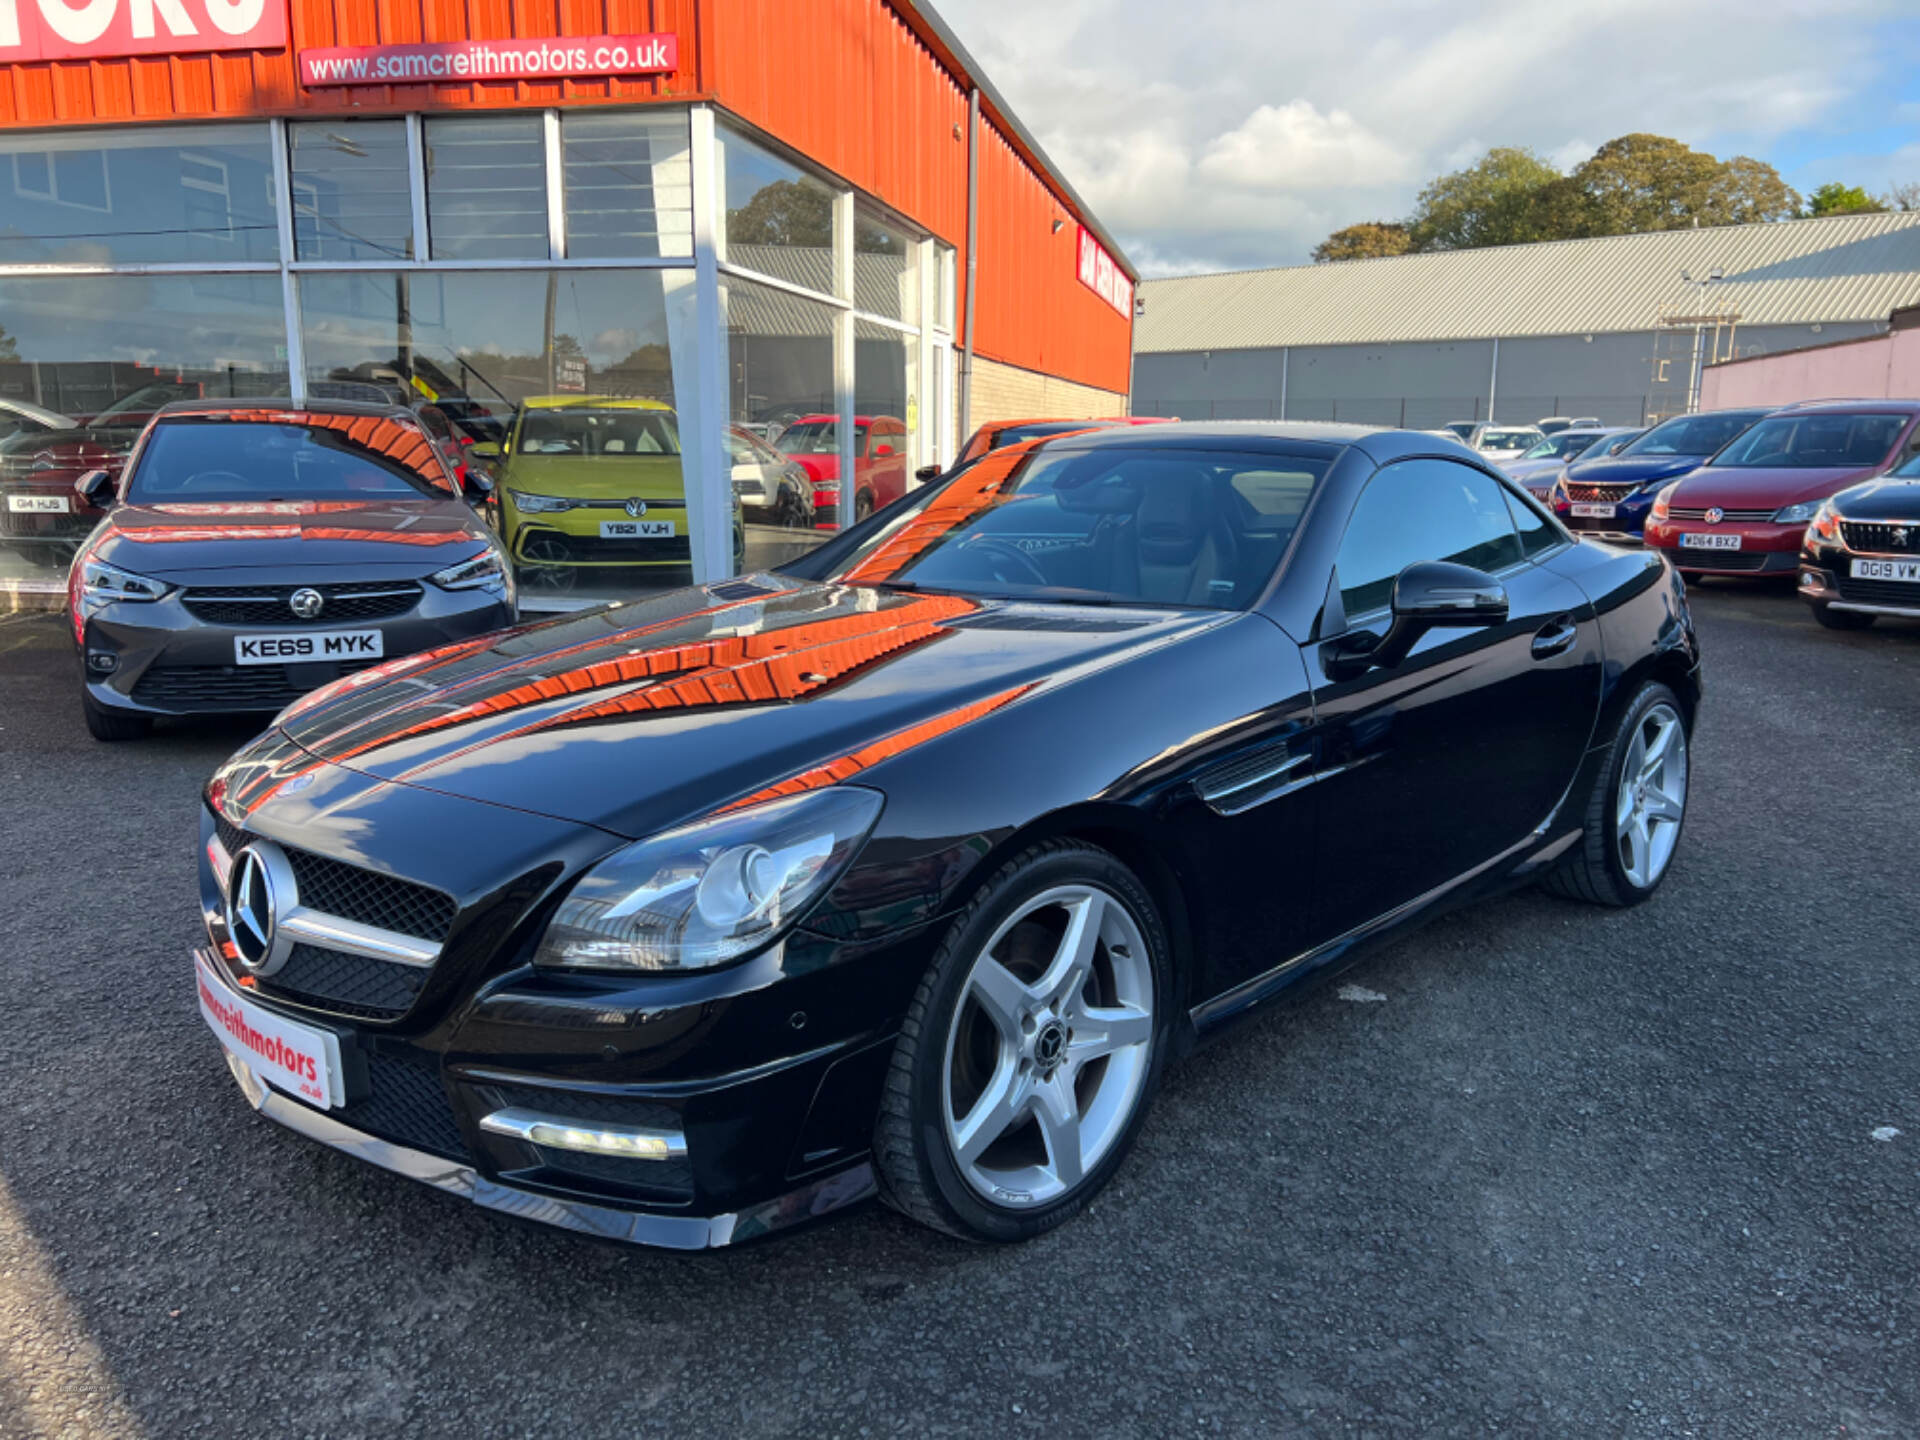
x=1827 y=579
x=1767 y=551
x=1626 y=526
x=161 y=659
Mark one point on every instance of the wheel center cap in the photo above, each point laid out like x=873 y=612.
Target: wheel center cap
x=1050 y=1045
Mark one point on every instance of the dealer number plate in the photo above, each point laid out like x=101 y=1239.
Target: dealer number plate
x=636 y=530
x=310 y=646
x=38 y=504
x=1709 y=542
x=296 y=1058
x=1903 y=570
x=1593 y=512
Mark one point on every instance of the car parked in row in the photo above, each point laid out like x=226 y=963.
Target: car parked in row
x=1501 y=443
x=1554 y=424
x=1539 y=466
x=1860 y=558
x=254 y=549
x=910 y=867
x=1609 y=496
x=771 y=488
x=879 y=462
x=1746 y=511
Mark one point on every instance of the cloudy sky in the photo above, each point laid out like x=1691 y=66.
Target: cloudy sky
x=1223 y=134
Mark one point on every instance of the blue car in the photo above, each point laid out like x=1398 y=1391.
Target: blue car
x=1608 y=498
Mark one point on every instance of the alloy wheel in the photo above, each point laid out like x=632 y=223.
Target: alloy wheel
x=1653 y=796
x=1050 y=1046
x=546 y=566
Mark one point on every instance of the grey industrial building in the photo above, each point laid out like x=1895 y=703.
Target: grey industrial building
x=1615 y=327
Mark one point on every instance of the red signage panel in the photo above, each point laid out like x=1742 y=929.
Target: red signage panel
x=97 y=29
x=1102 y=274
x=561 y=57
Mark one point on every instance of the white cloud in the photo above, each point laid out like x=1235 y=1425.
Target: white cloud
x=1239 y=134
x=1294 y=146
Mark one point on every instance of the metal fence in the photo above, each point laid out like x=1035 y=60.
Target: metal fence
x=1407 y=412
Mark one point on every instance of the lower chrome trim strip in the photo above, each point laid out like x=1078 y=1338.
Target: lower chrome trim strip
x=1859 y=608
x=333 y=932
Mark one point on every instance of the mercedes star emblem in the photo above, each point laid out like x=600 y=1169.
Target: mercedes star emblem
x=1716 y=515
x=306 y=602
x=636 y=508
x=260 y=886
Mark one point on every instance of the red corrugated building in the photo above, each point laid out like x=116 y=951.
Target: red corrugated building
x=755 y=213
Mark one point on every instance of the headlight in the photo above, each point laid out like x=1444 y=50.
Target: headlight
x=1662 y=502
x=100 y=582
x=1826 y=521
x=1797 y=514
x=485 y=571
x=710 y=892
x=540 y=504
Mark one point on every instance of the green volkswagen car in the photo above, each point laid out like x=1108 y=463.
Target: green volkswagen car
x=588 y=482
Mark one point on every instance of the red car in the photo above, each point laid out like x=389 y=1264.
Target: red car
x=1744 y=511
x=879 y=462
x=1002 y=433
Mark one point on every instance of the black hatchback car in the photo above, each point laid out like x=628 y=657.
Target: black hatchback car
x=254 y=549
x=909 y=867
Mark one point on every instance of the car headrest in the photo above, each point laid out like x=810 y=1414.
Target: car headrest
x=1175 y=512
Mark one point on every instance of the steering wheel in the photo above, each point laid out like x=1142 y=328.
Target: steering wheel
x=1006 y=550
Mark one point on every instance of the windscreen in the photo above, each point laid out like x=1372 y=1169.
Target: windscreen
x=1812 y=442
x=817 y=437
x=1014 y=434
x=1692 y=434
x=195 y=460
x=1507 y=439
x=1149 y=526
x=598 y=432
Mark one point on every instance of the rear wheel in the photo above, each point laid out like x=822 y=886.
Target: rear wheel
x=1637 y=810
x=862 y=506
x=1841 y=619
x=113 y=725
x=1030 y=1053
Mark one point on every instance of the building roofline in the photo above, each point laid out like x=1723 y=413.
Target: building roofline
x=928 y=24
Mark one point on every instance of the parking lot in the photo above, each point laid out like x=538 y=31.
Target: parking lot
x=1537 y=1169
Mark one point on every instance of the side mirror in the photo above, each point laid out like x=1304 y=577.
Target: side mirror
x=486 y=450
x=880 y=452
x=928 y=472
x=1431 y=595
x=478 y=486
x=96 y=488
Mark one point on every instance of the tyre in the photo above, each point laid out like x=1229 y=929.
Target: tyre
x=1030 y=1052
x=1841 y=619
x=862 y=506
x=113 y=725
x=1637 y=810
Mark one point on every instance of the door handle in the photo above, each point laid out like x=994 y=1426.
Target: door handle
x=1555 y=637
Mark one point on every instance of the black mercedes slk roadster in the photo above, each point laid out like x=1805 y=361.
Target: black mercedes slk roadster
x=909 y=868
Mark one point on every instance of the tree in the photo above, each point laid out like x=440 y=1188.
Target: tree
x=1492 y=202
x=784 y=213
x=1833 y=198
x=8 y=350
x=1748 y=190
x=1905 y=196
x=1369 y=240
x=1645 y=182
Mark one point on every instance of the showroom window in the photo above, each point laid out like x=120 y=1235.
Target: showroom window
x=629 y=184
x=886 y=268
x=886 y=390
x=352 y=190
x=781 y=394
x=167 y=195
x=777 y=219
x=487 y=187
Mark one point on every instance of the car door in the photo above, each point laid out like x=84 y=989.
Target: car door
x=1432 y=768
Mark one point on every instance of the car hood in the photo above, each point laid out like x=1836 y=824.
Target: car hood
x=597 y=477
x=175 y=541
x=818 y=467
x=1525 y=470
x=1638 y=469
x=1882 y=499
x=639 y=716
x=1761 y=489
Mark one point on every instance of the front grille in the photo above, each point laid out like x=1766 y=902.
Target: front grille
x=268 y=604
x=235 y=687
x=1718 y=559
x=1880 y=592
x=336 y=888
x=1591 y=494
x=408 y=1105
x=1743 y=517
x=1882 y=538
x=346 y=984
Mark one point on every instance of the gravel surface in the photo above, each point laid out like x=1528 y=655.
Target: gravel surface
x=1536 y=1169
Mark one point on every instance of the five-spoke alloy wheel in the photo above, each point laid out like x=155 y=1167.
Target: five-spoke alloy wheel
x=1636 y=808
x=1029 y=1054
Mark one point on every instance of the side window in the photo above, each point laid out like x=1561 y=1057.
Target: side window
x=1422 y=510
x=738 y=450
x=1537 y=533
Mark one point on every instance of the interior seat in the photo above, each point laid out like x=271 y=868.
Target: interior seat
x=1183 y=547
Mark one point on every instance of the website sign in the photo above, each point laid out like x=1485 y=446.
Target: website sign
x=573 y=57
x=100 y=29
